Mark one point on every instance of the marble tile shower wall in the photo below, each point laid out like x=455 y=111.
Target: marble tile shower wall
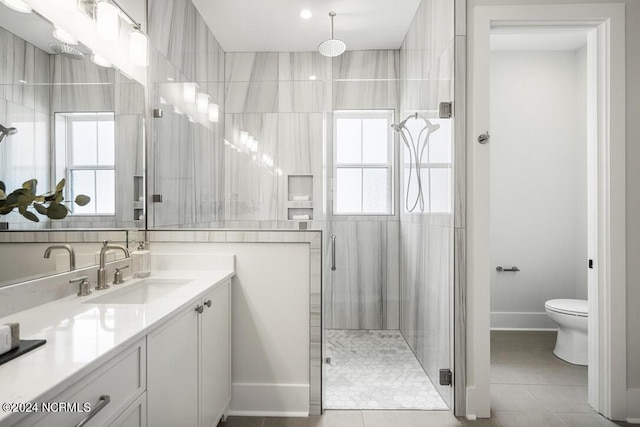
x=187 y=149
x=426 y=241
x=24 y=104
x=271 y=96
x=104 y=90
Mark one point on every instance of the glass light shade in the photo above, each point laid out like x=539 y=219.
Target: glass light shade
x=189 y=92
x=100 y=60
x=64 y=37
x=138 y=48
x=214 y=113
x=107 y=21
x=202 y=102
x=67 y=4
x=17 y=5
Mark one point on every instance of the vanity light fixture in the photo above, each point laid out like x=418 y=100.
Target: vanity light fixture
x=189 y=92
x=69 y=5
x=332 y=47
x=202 y=103
x=17 y=5
x=64 y=37
x=100 y=60
x=138 y=47
x=107 y=20
x=306 y=14
x=214 y=113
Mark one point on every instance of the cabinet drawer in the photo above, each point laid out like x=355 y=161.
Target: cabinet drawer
x=123 y=379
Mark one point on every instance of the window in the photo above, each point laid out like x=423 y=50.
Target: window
x=363 y=162
x=86 y=143
x=433 y=194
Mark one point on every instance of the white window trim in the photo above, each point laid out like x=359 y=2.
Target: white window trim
x=364 y=114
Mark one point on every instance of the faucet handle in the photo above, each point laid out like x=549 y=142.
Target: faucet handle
x=118 y=278
x=84 y=286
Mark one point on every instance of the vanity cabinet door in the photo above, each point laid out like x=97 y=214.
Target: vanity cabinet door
x=172 y=372
x=134 y=416
x=215 y=362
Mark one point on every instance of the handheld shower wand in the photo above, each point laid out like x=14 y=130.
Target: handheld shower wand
x=4 y=132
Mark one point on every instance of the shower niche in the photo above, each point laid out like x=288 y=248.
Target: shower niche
x=299 y=203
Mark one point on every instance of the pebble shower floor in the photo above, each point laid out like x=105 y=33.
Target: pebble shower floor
x=373 y=369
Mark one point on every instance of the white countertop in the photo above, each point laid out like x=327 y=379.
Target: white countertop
x=81 y=336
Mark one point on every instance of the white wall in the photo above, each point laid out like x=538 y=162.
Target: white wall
x=538 y=184
x=270 y=324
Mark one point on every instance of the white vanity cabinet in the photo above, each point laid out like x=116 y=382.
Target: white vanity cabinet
x=114 y=389
x=188 y=364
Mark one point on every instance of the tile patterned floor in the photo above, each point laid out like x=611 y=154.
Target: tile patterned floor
x=374 y=369
x=530 y=388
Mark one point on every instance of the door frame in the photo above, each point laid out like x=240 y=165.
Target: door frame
x=607 y=294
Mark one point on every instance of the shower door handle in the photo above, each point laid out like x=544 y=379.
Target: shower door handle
x=333 y=252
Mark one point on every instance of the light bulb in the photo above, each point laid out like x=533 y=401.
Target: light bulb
x=100 y=60
x=107 y=21
x=64 y=37
x=18 y=6
x=202 y=102
x=214 y=113
x=138 y=48
x=306 y=14
x=189 y=92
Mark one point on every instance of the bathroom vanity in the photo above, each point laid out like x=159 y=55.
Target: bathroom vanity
x=159 y=346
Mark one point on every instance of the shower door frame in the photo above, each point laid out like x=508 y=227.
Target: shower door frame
x=607 y=298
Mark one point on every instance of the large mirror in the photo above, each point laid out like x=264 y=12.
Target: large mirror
x=63 y=116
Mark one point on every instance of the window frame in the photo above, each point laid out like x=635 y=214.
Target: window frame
x=387 y=114
x=70 y=167
x=430 y=115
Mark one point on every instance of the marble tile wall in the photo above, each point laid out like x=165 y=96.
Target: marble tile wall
x=187 y=149
x=272 y=96
x=427 y=240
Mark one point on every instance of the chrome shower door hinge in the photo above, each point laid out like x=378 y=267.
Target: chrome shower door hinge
x=446 y=377
x=446 y=110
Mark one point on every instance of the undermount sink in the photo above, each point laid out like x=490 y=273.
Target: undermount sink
x=142 y=292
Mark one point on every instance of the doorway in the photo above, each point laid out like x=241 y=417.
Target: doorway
x=605 y=121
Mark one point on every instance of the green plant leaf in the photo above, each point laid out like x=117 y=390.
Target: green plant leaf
x=40 y=208
x=30 y=216
x=82 y=200
x=30 y=185
x=57 y=211
x=58 y=198
x=60 y=186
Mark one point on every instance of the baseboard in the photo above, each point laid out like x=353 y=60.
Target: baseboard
x=269 y=400
x=531 y=321
x=633 y=406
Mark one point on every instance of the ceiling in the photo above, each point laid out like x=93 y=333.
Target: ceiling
x=276 y=25
x=538 y=39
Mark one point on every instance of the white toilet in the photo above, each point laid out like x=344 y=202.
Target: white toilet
x=571 y=315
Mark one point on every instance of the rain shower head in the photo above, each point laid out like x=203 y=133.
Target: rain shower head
x=4 y=132
x=66 y=50
x=332 y=47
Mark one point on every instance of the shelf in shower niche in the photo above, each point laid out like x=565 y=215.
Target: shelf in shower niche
x=300 y=204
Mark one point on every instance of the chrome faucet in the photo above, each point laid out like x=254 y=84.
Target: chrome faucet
x=72 y=254
x=102 y=272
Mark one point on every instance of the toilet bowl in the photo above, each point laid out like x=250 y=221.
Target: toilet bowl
x=571 y=315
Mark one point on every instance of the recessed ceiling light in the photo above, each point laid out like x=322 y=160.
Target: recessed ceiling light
x=170 y=79
x=306 y=14
x=312 y=77
x=24 y=82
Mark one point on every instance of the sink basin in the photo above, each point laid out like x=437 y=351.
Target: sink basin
x=143 y=292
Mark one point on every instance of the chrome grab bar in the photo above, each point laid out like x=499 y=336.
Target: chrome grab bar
x=500 y=269
x=333 y=252
x=104 y=401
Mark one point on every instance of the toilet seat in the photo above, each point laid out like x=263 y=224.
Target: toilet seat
x=572 y=307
